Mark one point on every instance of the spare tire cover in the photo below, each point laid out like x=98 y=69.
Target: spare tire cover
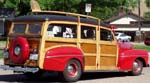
x=23 y=55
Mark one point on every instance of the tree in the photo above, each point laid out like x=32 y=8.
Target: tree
x=147 y=15
x=2 y=2
x=22 y=7
x=103 y=9
x=147 y=3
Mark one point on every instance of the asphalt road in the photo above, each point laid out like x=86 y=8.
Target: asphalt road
x=102 y=77
x=98 y=77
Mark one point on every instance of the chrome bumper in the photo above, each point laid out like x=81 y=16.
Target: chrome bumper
x=19 y=68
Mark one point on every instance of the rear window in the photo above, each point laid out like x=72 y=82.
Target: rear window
x=19 y=28
x=34 y=28
x=27 y=28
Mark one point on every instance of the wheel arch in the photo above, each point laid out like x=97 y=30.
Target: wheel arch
x=142 y=60
x=60 y=55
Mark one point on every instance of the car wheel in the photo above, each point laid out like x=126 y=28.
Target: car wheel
x=137 y=68
x=72 y=71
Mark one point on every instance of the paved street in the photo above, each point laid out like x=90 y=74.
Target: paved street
x=109 y=77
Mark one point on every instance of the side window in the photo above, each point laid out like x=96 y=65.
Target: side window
x=106 y=35
x=62 y=30
x=88 y=32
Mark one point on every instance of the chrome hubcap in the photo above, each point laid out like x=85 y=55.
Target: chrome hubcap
x=136 y=66
x=72 y=70
x=17 y=50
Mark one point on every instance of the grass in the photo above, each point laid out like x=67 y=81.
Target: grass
x=2 y=43
x=1 y=51
x=142 y=47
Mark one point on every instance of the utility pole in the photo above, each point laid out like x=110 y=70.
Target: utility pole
x=139 y=21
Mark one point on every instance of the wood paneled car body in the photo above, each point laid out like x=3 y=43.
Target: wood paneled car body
x=69 y=44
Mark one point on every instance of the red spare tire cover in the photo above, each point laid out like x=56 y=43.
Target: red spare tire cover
x=22 y=43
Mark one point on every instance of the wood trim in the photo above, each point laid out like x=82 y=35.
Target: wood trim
x=88 y=41
x=57 y=39
x=108 y=55
x=90 y=54
x=42 y=45
x=90 y=68
x=27 y=28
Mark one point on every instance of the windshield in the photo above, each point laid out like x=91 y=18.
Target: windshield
x=27 y=28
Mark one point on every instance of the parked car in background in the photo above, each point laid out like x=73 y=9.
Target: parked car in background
x=122 y=37
x=147 y=41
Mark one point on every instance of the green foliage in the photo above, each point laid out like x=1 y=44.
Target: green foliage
x=147 y=15
x=147 y=3
x=1 y=52
x=142 y=47
x=103 y=9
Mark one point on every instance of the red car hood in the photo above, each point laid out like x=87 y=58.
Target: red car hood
x=125 y=45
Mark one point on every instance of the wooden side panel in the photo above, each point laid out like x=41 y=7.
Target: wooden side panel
x=90 y=60
x=108 y=57
x=88 y=48
x=89 y=55
x=108 y=61
x=34 y=43
x=108 y=49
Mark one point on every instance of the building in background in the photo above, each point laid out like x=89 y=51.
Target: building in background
x=5 y=13
x=128 y=23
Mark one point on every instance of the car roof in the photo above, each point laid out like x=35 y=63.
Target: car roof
x=42 y=18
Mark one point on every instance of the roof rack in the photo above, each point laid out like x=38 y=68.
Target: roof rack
x=36 y=9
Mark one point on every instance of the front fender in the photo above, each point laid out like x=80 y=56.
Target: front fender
x=126 y=58
x=57 y=58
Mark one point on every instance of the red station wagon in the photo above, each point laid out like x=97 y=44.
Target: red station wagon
x=67 y=43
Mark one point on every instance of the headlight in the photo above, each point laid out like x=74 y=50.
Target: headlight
x=17 y=50
x=5 y=55
x=34 y=56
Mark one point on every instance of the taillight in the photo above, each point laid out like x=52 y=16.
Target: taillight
x=6 y=53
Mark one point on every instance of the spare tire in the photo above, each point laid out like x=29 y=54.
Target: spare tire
x=19 y=50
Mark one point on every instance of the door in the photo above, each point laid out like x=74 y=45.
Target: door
x=88 y=46
x=108 y=50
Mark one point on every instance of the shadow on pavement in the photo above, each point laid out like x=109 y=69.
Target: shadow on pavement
x=48 y=78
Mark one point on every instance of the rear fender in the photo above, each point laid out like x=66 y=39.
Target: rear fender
x=56 y=58
x=127 y=58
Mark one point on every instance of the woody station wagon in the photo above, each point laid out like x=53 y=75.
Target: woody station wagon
x=67 y=43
